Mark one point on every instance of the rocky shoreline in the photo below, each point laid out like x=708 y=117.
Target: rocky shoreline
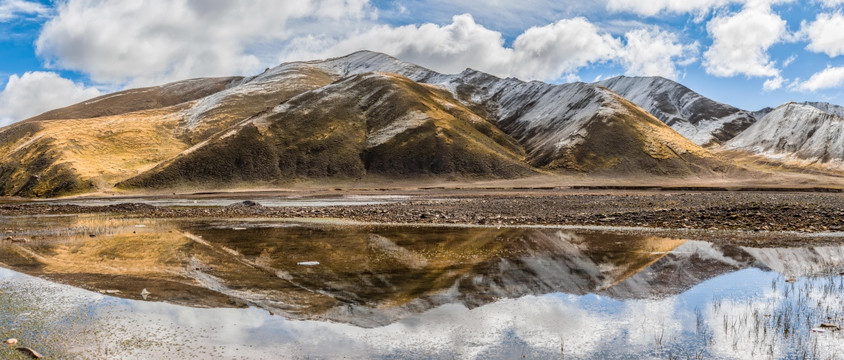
x=748 y=211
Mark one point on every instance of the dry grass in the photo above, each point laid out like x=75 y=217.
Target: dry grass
x=112 y=149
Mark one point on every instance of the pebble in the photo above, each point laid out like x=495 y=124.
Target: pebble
x=28 y=351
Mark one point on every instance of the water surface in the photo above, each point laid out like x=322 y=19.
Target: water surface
x=236 y=289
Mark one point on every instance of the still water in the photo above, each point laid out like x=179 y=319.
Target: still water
x=258 y=289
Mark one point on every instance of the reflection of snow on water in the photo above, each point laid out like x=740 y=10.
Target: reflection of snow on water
x=656 y=298
x=588 y=326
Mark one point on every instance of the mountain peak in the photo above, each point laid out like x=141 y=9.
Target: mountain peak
x=639 y=78
x=796 y=133
x=827 y=107
x=694 y=116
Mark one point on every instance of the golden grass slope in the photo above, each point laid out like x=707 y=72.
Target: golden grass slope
x=374 y=123
x=622 y=138
x=133 y=100
x=85 y=148
x=77 y=155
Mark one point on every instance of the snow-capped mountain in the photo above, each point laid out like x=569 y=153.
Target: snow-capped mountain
x=694 y=116
x=797 y=133
x=827 y=107
x=349 y=117
x=557 y=124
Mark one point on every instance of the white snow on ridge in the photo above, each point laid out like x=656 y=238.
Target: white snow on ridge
x=547 y=115
x=827 y=107
x=796 y=132
x=694 y=116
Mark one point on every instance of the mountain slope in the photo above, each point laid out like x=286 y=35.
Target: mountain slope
x=124 y=102
x=98 y=142
x=694 y=116
x=373 y=123
x=362 y=115
x=827 y=107
x=575 y=127
x=796 y=133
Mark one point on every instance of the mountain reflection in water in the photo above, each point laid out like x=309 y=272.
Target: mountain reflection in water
x=386 y=291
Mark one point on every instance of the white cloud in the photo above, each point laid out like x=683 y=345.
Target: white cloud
x=449 y=48
x=825 y=35
x=741 y=42
x=552 y=52
x=10 y=9
x=565 y=46
x=150 y=42
x=146 y=42
x=830 y=3
x=510 y=17
x=36 y=92
x=790 y=60
x=654 y=52
x=546 y=52
x=830 y=77
x=654 y=7
x=773 y=83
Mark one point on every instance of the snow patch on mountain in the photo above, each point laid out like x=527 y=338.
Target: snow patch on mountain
x=827 y=107
x=409 y=121
x=796 y=132
x=694 y=116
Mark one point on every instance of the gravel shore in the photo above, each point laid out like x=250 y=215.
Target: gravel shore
x=807 y=212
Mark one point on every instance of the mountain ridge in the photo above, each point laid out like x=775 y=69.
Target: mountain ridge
x=797 y=133
x=352 y=117
x=700 y=119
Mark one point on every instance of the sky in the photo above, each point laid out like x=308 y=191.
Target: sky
x=747 y=53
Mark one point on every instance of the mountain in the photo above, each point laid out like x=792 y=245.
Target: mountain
x=142 y=99
x=827 y=107
x=796 y=133
x=372 y=123
x=580 y=127
x=355 y=117
x=702 y=120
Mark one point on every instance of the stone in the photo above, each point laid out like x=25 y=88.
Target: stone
x=32 y=353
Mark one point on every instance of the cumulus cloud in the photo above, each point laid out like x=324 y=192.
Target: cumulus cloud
x=145 y=42
x=655 y=52
x=565 y=46
x=36 y=92
x=825 y=35
x=552 y=52
x=773 y=83
x=546 y=52
x=831 y=77
x=741 y=42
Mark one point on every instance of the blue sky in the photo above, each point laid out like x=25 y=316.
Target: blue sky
x=747 y=53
